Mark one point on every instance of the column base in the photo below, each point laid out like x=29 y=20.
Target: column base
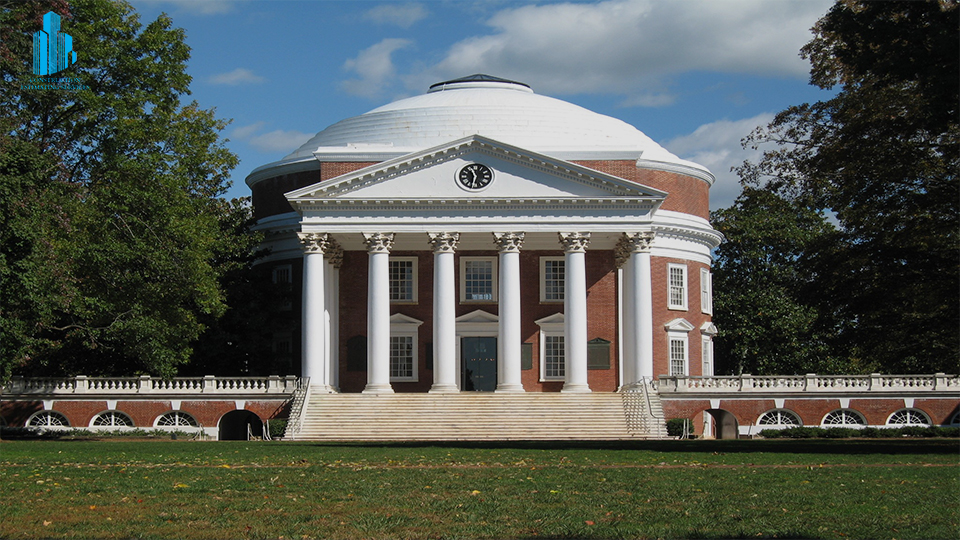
x=575 y=389
x=510 y=389
x=378 y=389
x=444 y=389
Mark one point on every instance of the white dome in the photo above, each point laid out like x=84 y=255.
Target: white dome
x=506 y=111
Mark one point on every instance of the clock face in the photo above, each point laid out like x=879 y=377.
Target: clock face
x=475 y=176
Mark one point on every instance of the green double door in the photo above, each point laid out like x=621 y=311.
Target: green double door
x=478 y=364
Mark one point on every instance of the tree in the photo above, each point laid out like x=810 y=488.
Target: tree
x=882 y=156
x=765 y=295
x=110 y=195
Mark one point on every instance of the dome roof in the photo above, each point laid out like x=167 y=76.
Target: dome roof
x=503 y=110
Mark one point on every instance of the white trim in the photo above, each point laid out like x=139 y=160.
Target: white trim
x=495 y=280
x=415 y=278
x=407 y=327
x=671 y=304
x=706 y=356
x=543 y=280
x=550 y=326
x=706 y=291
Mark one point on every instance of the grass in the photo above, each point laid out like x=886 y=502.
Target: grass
x=665 y=489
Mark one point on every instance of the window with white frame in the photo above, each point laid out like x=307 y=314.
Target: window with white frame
x=478 y=279
x=177 y=419
x=404 y=348
x=677 y=286
x=706 y=291
x=706 y=356
x=554 y=367
x=678 y=355
x=402 y=358
x=48 y=419
x=403 y=279
x=114 y=419
x=779 y=417
x=908 y=417
x=551 y=279
x=844 y=417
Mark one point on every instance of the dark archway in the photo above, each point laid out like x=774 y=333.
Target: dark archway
x=236 y=425
x=726 y=424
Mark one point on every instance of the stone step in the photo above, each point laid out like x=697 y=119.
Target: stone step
x=475 y=416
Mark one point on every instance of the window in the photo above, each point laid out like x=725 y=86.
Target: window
x=706 y=291
x=114 y=419
x=844 y=417
x=779 y=417
x=706 y=353
x=554 y=367
x=908 y=417
x=677 y=286
x=678 y=355
x=551 y=279
x=283 y=274
x=403 y=279
x=48 y=419
x=177 y=419
x=478 y=279
x=404 y=343
x=402 y=358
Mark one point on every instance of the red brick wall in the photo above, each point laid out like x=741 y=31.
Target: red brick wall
x=144 y=413
x=941 y=411
x=662 y=315
x=268 y=199
x=16 y=413
x=685 y=193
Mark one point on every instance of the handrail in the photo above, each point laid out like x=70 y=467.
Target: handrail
x=297 y=406
x=809 y=383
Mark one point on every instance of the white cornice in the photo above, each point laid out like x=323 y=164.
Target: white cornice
x=688 y=170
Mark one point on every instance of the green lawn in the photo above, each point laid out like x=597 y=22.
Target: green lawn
x=682 y=489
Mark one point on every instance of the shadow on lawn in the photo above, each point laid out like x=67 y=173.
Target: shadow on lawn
x=801 y=446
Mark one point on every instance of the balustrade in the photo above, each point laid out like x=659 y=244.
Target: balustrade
x=810 y=383
x=145 y=385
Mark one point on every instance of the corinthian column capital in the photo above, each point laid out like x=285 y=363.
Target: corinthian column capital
x=378 y=242
x=509 y=242
x=574 y=242
x=630 y=243
x=313 y=242
x=444 y=242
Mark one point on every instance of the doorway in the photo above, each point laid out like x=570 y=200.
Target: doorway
x=478 y=364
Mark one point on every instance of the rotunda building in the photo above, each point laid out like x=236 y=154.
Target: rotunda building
x=482 y=237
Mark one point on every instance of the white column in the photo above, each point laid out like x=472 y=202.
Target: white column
x=575 y=311
x=511 y=336
x=444 y=312
x=638 y=315
x=335 y=256
x=312 y=325
x=628 y=362
x=378 y=313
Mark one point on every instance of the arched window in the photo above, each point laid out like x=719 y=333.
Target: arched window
x=48 y=419
x=844 y=417
x=908 y=417
x=177 y=419
x=955 y=421
x=779 y=417
x=114 y=419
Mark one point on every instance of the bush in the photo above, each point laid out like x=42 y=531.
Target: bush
x=277 y=427
x=840 y=433
x=677 y=427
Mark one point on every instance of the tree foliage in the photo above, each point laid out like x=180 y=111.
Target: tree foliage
x=110 y=196
x=881 y=156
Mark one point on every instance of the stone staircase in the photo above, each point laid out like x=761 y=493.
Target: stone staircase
x=470 y=416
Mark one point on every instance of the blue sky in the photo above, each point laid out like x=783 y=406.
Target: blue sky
x=694 y=75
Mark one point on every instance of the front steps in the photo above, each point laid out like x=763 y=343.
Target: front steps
x=475 y=416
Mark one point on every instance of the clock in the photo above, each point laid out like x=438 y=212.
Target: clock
x=475 y=176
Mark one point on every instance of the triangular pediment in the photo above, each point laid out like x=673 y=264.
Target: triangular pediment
x=399 y=319
x=478 y=316
x=679 y=325
x=434 y=176
x=556 y=318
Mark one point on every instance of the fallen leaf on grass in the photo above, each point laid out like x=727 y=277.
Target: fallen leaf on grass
x=588 y=522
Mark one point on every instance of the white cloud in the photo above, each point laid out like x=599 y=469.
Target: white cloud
x=237 y=77
x=273 y=141
x=717 y=146
x=402 y=15
x=634 y=46
x=375 y=68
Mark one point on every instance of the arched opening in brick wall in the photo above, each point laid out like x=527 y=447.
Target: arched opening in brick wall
x=239 y=425
x=725 y=424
